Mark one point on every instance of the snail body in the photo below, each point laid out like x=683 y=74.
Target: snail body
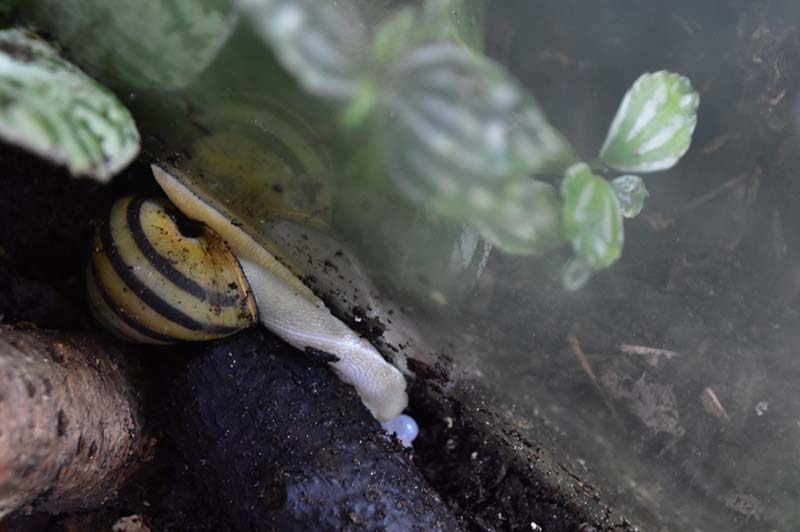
x=227 y=280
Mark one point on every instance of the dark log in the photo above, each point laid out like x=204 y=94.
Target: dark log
x=70 y=422
x=281 y=444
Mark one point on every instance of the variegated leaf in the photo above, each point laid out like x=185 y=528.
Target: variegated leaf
x=462 y=129
x=149 y=44
x=51 y=108
x=408 y=27
x=435 y=20
x=592 y=217
x=393 y=34
x=575 y=275
x=470 y=252
x=526 y=220
x=467 y=18
x=654 y=124
x=631 y=194
x=325 y=45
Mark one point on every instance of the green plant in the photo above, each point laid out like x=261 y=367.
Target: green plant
x=472 y=140
x=50 y=107
x=447 y=128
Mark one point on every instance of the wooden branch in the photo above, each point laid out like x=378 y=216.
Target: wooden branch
x=70 y=422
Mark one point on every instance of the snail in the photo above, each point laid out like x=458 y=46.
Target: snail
x=154 y=277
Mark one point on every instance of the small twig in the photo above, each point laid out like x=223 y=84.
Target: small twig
x=715 y=193
x=713 y=405
x=684 y=24
x=718 y=142
x=775 y=100
x=575 y=347
x=559 y=58
x=657 y=221
x=633 y=349
x=652 y=352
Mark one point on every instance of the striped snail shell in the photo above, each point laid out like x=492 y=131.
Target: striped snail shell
x=158 y=277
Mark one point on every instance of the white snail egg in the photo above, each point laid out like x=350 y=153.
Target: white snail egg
x=404 y=427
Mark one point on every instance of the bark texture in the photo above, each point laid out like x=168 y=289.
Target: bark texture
x=70 y=421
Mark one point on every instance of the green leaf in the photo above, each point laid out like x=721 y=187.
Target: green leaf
x=409 y=27
x=631 y=194
x=592 y=217
x=149 y=44
x=654 y=124
x=435 y=21
x=526 y=219
x=575 y=275
x=462 y=129
x=51 y=108
x=467 y=17
x=362 y=105
x=394 y=33
x=469 y=253
x=325 y=45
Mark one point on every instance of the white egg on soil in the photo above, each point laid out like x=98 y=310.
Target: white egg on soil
x=404 y=427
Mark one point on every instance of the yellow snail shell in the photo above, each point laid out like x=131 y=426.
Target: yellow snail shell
x=155 y=278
